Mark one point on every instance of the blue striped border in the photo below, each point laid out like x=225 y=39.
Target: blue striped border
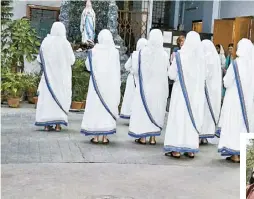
x=180 y=149
x=54 y=122
x=142 y=94
x=125 y=116
x=48 y=84
x=209 y=104
x=228 y=152
x=217 y=133
x=184 y=89
x=241 y=96
x=96 y=86
x=143 y=135
x=96 y=133
x=207 y=136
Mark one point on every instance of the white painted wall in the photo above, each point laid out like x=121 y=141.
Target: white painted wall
x=19 y=6
x=231 y=9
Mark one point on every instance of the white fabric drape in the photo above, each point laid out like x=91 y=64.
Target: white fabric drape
x=231 y=121
x=106 y=67
x=181 y=136
x=132 y=80
x=154 y=63
x=214 y=85
x=252 y=117
x=58 y=57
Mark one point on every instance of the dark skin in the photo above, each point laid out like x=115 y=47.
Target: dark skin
x=218 y=49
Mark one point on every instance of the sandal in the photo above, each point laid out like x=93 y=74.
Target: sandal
x=58 y=129
x=94 y=142
x=48 y=128
x=171 y=154
x=203 y=141
x=106 y=141
x=231 y=160
x=189 y=156
x=139 y=141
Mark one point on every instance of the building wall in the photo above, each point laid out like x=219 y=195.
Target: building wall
x=231 y=9
x=192 y=15
x=206 y=12
x=19 y=7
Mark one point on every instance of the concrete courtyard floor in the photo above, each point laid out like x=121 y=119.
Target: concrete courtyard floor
x=38 y=165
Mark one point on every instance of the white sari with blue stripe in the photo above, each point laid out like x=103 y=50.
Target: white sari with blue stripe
x=186 y=109
x=56 y=57
x=101 y=111
x=212 y=90
x=149 y=104
x=238 y=102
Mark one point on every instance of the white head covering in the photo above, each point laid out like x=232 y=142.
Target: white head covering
x=193 y=65
x=155 y=41
x=89 y=8
x=141 y=44
x=105 y=39
x=214 y=81
x=58 y=29
x=88 y=4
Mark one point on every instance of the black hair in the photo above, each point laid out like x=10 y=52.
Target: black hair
x=231 y=45
x=217 y=46
x=251 y=178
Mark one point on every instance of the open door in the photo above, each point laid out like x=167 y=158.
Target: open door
x=242 y=29
x=197 y=26
x=223 y=32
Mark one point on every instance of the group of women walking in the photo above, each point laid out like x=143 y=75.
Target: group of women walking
x=195 y=106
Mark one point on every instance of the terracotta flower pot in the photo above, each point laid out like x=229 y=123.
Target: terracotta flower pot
x=35 y=100
x=30 y=95
x=13 y=102
x=83 y=104
x=76 y=105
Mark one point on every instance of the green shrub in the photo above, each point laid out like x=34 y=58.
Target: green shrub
x=80 y=81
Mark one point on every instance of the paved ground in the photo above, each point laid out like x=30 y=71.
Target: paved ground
x=36 y=164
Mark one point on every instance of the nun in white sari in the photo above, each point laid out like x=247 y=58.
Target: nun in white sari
x=212 y=92
x=186 y=110
x=149 y=105
x=103 y=96
x=237 y=107
x=132 y=80
x=56 y=57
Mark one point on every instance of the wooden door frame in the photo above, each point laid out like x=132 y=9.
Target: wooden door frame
x=197 y=21
x=29 y=7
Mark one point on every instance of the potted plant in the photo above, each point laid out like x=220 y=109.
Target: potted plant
x=19 y=40
x=80 y=82
x=13 y=85
x=32 y=84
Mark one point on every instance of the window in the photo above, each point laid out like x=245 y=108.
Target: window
x=42 y=18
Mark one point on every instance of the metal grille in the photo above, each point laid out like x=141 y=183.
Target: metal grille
x=132 y=22
x=160 y=15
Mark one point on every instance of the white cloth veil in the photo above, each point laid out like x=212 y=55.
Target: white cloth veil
x=214 y=81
